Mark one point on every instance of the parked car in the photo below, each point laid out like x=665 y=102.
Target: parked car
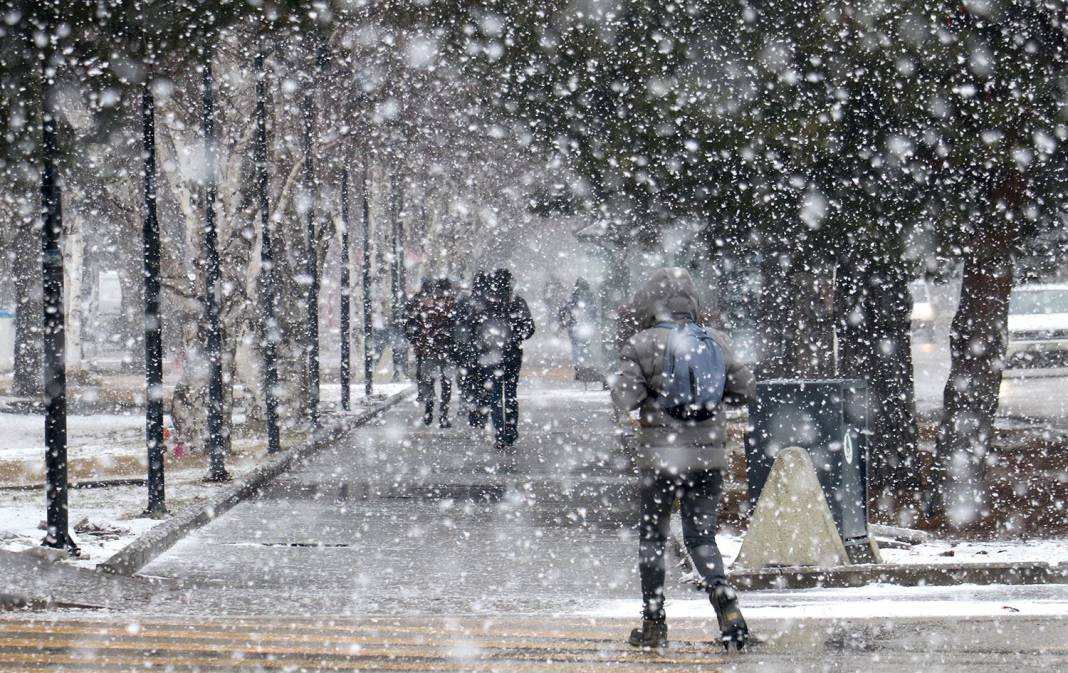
x=923 y=311
x=1038 y=325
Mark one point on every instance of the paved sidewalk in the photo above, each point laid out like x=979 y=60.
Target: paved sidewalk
x=399 y=518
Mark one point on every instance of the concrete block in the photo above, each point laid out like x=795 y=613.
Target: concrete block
x=792 y=524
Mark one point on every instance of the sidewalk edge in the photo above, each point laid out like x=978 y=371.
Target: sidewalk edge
x=902 y=574
x=159 y=539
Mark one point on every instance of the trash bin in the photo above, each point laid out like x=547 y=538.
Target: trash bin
x=828 y=418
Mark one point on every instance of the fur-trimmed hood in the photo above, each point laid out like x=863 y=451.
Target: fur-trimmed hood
x=669 y=294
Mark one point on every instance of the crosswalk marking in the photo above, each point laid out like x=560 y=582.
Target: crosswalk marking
x=360 y=645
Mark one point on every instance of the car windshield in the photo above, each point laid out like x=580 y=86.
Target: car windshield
x=1038 y=301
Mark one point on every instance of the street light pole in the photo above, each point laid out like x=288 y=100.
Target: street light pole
x=345 y=304
x=368 y=327
x=153 y=318
x=269 y=314
x=55 y=374
x=217 y=468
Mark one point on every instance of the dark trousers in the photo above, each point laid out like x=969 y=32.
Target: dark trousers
x=698 y=493
x=429 y=370
x=477 y=386
x=504 y=405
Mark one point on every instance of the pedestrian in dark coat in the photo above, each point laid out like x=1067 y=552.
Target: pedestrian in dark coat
x=471 y=377
x=430 y=326
x=506 y=325
x=677 y=459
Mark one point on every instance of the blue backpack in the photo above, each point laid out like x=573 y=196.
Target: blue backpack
x=695 y=373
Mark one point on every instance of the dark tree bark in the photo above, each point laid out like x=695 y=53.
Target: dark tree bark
x=212 y=290
x=345 y=294
x=54 y=327
x=873 y=324
x=796 y=327
x=269 y=330
x=153 y=317
x=977 y=347
x=365 y=282
x=311 y=265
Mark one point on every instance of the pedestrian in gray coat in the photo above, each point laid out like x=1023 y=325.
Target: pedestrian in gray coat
x=677 y=459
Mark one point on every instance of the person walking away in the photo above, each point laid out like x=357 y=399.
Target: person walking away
x=579 y=316
x=429 y=328
x=410 y=307
x=679 y=376
x=471 y=377
x=506 y=325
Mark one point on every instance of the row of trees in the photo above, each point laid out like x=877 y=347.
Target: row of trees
x=829 y=137
x=251 y=123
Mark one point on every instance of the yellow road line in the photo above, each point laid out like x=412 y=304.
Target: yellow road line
x=565 y=631
x=110 y=662
x=492 y=641
x=354 y=652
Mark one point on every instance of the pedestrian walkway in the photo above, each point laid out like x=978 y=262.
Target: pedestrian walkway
x=399 y=518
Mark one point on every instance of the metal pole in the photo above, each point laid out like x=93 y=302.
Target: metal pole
x=345 y=307
x=153 y=317
x=217 y=469
x=307 y=108
x=55 y=374
x=368 y=326
x=269 y=315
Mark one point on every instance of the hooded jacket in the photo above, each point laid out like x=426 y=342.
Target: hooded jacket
x=666 y=443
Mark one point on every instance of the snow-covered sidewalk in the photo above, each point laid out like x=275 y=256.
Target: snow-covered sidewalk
x=110 y=447
x=948 y=551
x=875 y=601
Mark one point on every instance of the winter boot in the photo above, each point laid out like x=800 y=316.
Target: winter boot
x=732 y=626
x=651 y=636
x=428 y=412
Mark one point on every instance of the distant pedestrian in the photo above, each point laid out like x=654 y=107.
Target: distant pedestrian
x=430 y=324
x=507 y=323
x=471 y=376
x=578 y=315
x=681 y=441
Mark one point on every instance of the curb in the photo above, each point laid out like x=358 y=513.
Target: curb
x=142 y=550
x=908 y=575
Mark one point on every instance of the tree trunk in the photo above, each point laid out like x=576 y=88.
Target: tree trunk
x=874 y=310
x=796 y=329
x=970 y=401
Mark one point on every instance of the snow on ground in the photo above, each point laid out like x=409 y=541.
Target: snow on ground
x=1052 y=550
x=22 y=435
x=330 y=393
x=104 y=520
x=872 y=601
